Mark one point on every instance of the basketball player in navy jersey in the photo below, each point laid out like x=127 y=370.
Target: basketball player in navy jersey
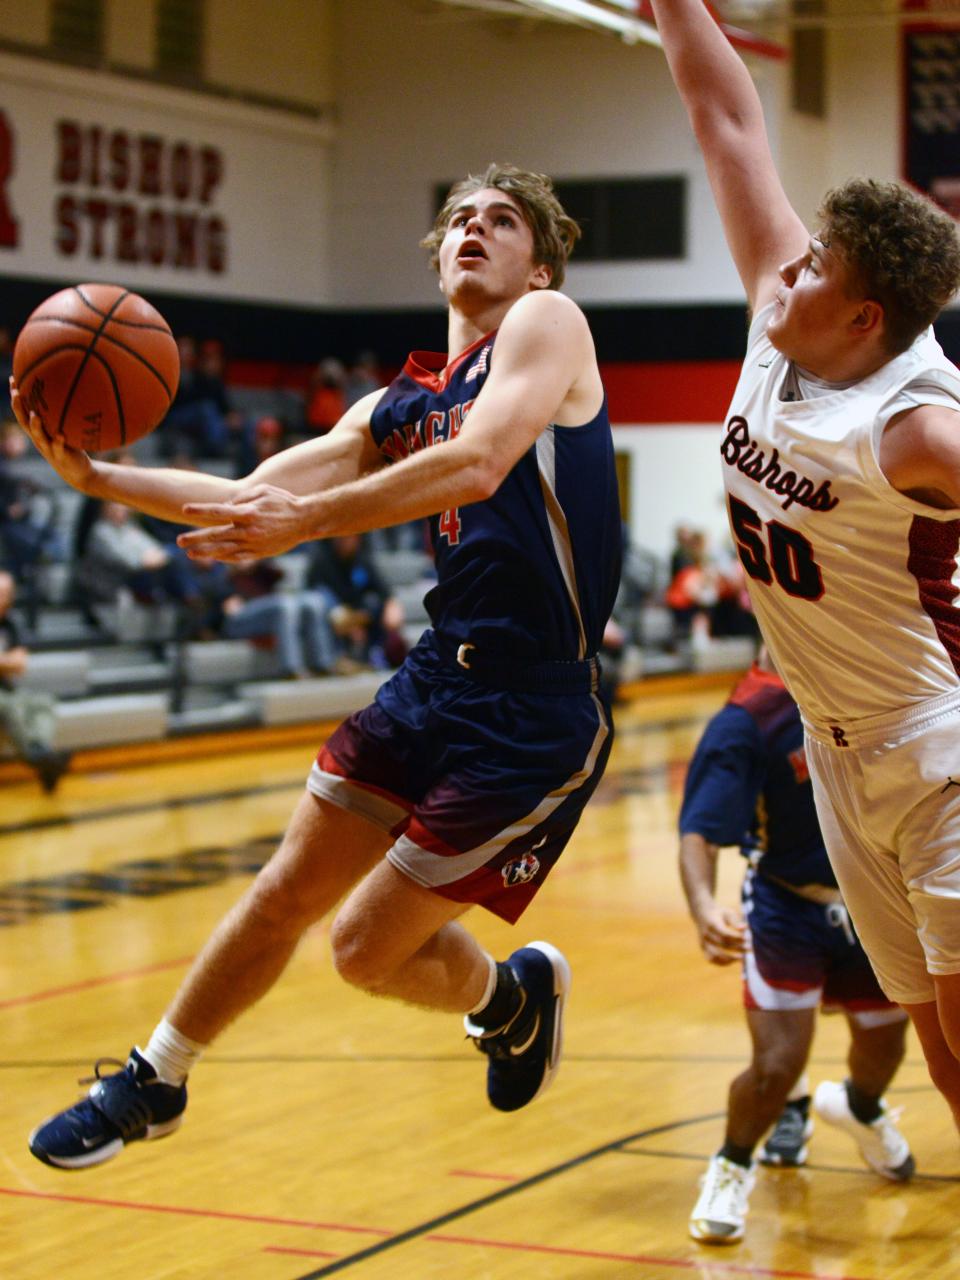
x=841 y=460
x=465 y=779
x=748 y=785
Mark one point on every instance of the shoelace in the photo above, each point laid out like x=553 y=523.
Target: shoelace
x=97 y=1073
x=727 y=1180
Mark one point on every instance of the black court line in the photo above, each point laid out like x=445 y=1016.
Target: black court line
x=858 y=1170
x=422 y=1228
x=148 y=806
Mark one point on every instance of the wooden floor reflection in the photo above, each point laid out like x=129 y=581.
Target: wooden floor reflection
x=330 y=1133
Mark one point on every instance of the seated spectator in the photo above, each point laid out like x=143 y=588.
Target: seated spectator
x=6 y=369
x=28 y=534
x=367 y=619
x=326 y=402
x=265 y=438
x=692 y=591
x=250 y=606
x=363 y=376
x=201 y=421
x=119 y=552
x=27 y=716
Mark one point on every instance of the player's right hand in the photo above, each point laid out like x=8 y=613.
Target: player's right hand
x=72 y=464
x=723 y=935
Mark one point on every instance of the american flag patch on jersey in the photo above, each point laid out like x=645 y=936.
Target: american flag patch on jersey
x=479 y=365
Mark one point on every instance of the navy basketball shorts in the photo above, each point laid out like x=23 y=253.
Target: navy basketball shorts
x=803 y=954
x=480 y=788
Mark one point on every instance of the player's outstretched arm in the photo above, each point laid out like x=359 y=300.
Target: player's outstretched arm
x=725 y=111
x=158 y=491
x=721 y=930
x=543 y=361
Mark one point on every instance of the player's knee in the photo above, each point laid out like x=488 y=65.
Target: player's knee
x=944 y=1069
x=774 y=1074
x=277 y=902
x=354 y=956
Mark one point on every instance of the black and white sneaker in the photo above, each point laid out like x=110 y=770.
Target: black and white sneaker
x=786 y=1147
x=525 y=1054
x=123 y=1107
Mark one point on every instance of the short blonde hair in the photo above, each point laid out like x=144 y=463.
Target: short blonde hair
x=554 y=231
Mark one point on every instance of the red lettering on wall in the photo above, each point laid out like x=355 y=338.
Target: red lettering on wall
x=141 y=165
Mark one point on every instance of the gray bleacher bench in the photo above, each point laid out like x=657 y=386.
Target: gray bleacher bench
x=63 y=673
x=219 y=661
x=108 y=721
x=323 y=698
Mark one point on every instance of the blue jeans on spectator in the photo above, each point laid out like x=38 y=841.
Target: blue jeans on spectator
x=297 y=621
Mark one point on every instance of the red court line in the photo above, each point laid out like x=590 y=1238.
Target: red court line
x=184 y=1211
x=475 y=1173
x=53 y=993
x=686 y=1264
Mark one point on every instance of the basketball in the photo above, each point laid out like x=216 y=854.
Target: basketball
x=98 y=363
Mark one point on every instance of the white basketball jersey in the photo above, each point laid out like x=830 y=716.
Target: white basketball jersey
x=855 y=585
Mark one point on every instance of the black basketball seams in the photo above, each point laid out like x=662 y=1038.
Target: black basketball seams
x=91 y=328
x=103 y=337
x=50 y=355
x=83 y=364
x=108 y=315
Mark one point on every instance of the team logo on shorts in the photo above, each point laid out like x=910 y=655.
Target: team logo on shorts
x=520 y=870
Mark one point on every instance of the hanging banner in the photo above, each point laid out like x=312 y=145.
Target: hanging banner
x=931 y=111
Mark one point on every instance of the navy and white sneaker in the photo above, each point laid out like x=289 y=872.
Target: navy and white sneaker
x=525 y=1054
x=124 y=1107
x=786 y=1147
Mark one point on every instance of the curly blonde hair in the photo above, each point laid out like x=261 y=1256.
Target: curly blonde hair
x=902 y=249
x=554 y=232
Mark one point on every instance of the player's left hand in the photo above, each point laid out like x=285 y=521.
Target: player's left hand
x=262 y=521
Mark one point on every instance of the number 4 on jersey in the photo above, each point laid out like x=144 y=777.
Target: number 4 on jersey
x=449 y=525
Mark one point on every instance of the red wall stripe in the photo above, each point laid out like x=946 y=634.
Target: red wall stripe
x=656 y=392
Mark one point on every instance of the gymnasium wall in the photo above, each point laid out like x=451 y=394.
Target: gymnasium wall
x=317 y=206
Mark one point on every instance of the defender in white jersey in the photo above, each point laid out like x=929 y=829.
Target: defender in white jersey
x=841 y=459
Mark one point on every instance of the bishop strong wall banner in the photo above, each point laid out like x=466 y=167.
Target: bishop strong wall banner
x=931 y=112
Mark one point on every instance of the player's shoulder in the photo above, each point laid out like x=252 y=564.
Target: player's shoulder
x=545 y=306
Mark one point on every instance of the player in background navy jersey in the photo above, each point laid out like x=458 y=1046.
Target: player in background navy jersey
x=464 y=780
x=748 y=785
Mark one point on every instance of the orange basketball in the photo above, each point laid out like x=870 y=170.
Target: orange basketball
x=98 y=363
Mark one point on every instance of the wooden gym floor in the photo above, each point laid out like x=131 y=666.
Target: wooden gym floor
x=331 y=1133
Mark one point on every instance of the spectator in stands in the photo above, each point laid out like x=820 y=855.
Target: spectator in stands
x=363 y=376
x=27 y=716
x=201 y=421
x=251 y=607
x=365 y=616
x=28 y=532
x=6 y=369
x=732 y=615
x=326 y=401
x=683 y=554
x=693 y=589
x=119 y=553
x=265 y=438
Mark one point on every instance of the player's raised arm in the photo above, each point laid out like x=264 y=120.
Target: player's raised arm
x=724 y=107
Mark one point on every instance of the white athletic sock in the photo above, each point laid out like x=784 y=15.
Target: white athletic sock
x=800 y=1090
x=489 y=990
x=171 y=1054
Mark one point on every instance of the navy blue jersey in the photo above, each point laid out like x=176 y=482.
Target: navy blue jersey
x=748 y=784
x=531 y=572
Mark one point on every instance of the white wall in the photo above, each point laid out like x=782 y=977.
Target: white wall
x=674 y=479
x=271 y=200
